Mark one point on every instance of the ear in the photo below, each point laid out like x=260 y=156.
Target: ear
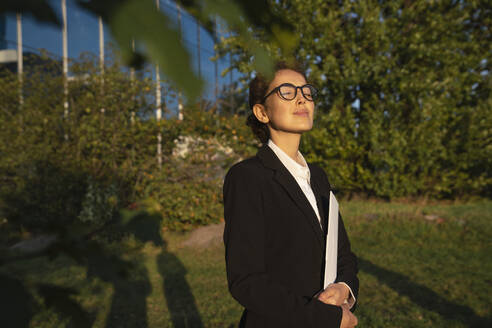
x=260 y=112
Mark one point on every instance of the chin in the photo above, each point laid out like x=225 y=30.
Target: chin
x=294 y=128
x=302 y=129
x=307 y=127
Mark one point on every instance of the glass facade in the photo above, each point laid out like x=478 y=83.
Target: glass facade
x=83 y=37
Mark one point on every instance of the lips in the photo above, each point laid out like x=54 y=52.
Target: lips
x=302 y=113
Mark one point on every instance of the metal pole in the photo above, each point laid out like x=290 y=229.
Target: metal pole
x=132 y=79
x=216 y=68
x=65 y=61
x=198 y=54
x=180 y=104
x=231 y=86
x=132 y=113
x=101 y=57
x=158 y=112
x=198 y=48
x=20 y=58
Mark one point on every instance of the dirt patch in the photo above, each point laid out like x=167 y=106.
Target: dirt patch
x=205 y=236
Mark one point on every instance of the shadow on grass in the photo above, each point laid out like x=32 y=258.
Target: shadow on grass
x=131 y=294
x=180 y=301
x=131 y=287
x=424 y=296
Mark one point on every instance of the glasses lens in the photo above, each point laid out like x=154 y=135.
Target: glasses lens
x=287 y=92
x=309 y=92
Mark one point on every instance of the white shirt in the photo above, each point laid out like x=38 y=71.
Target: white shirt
x=302 y=175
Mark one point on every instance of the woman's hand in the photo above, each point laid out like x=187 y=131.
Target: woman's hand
x=349 y=320
x=334 y=294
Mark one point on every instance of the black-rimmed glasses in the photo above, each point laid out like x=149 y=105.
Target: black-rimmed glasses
x=288 y=91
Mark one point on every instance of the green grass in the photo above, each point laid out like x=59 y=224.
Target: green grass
x=413 y=273
x=416 y=273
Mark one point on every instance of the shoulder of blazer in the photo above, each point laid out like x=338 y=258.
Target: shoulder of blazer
x=264 y=158
x=248 y=165
x=245 y=171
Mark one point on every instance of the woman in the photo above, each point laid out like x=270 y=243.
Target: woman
x=276 y=209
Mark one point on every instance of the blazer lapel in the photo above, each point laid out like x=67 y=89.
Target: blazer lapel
x=287 y=181
x=322 y=201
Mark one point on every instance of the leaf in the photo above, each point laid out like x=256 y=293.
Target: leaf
x=159 y=41
x=40 y=9
x=16 y=303
x=247 y=17
x=152 y=29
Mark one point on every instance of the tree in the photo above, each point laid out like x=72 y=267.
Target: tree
x=405 y=87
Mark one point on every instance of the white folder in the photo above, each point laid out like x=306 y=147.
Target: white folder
x=331 y=242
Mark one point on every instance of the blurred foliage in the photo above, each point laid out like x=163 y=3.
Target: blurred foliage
x=158 y=39
x=405 y=93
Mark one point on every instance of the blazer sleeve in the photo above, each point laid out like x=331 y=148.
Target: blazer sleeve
x=346 y=262
x=248 y=280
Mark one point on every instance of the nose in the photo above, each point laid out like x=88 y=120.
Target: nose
x=300 y=97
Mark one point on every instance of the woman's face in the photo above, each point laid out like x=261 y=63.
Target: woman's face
x=291 y=116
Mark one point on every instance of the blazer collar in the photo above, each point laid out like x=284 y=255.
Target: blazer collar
x=287 y=181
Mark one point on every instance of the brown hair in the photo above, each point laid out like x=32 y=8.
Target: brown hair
x=257 y=91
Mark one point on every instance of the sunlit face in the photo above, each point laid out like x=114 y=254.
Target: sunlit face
x=286 y=116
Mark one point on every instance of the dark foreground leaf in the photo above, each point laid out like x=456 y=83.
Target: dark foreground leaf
x=16 y=302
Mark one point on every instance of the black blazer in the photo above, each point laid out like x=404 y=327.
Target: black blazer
x=275 y=245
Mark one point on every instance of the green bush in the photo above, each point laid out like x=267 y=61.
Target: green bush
x=46 y=195
x=86 y=165
x=188 y=186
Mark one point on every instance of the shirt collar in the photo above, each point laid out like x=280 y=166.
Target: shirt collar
x=296 y=169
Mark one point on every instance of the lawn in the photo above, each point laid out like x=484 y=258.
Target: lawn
x=420 y=266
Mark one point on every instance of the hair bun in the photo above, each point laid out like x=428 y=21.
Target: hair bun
x=259 y=129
